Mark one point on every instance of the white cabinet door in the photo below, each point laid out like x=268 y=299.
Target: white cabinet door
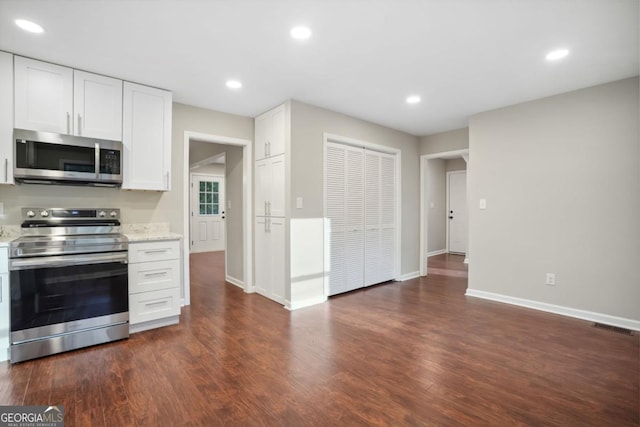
x=6 y=118
x=269 y=263
x=262 y=187
x=261 y=135
x=97 y=102
x=276 y=246
x=43 y=96
x=277 y=131
x=146 y=138
x=270 y=131
x=270 y=187
x=262 y=261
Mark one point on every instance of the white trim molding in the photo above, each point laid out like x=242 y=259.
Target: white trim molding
x=408 y=276
x=558 y=309
x=236 y=282
x=305 y=303
x=438 y=252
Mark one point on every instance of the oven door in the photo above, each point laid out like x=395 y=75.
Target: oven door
x=55 y=295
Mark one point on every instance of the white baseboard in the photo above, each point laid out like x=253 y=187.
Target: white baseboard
x=558 y=309
x=234 y=281
x=408 y=276
x=438 y=252
x=153 y=324
x=306 y=303
x=466 y=260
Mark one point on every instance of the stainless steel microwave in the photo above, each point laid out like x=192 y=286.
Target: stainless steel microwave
x=51 y=158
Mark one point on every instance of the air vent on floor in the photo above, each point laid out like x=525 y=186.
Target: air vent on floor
x=614 y=328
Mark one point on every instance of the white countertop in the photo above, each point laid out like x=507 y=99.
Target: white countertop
x=152 y=236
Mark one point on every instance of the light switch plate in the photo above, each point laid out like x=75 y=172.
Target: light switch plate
x=483 y=204
x=299 y=202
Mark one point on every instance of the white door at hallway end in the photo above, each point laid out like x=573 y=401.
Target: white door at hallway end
x=457 y=211
x=207 y=213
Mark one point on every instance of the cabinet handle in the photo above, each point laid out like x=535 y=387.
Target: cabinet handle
x=6 y=169
x=79 y=125
x=269 y=145
x=69 y=123
x=269 y=208
x=166 y=184
x=155 y=251
x=156 y=303
x=268 y=221
x=159 y=273
x=97 y=159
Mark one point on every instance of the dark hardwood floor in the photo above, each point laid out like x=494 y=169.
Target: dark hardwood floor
x=408 y=353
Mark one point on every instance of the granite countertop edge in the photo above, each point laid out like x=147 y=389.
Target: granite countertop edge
x=153 y=236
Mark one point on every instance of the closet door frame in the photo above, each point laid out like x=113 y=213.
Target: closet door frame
x=397 y=154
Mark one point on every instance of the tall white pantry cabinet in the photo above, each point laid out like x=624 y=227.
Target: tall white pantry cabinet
x=270 y=204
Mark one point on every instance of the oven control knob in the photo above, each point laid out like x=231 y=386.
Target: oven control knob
x=113 y=214
x=31 y=214
x=44 y=214
x=102 y=214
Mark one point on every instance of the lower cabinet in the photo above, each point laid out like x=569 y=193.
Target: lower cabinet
x=154 y=284
x=269 y=253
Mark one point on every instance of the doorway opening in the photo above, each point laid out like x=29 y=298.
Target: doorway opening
x=207 y=201
x=217 y=188
x=443 y=208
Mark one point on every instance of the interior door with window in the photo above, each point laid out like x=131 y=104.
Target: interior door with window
x=207 y=213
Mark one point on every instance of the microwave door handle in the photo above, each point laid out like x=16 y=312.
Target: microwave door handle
x=97 y=160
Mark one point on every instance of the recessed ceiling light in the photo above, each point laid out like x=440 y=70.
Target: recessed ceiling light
x=32 y=27
x=300 y=33
x=413 y=99
x=554 y=55
x=234 y=84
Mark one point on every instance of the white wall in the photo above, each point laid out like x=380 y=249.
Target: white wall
x=458 y=164
x=452 y=140
x=561 y=176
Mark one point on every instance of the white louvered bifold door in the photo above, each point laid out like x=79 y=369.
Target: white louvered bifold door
x=335 y=205
x=387 y=217
x=354 y=247
x=372 y=218
x=360 y=205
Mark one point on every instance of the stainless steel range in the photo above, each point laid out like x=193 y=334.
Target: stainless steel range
x=68 y=281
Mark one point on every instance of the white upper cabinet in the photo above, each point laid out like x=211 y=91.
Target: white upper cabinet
x=52 y=98
x=97 y=102
x=43 y=96
x=146 y=138
x=6 y=118
x=270 y=133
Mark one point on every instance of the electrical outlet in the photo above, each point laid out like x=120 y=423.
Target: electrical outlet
x=551 y=279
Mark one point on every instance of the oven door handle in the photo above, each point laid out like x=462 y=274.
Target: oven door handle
x=66 y=261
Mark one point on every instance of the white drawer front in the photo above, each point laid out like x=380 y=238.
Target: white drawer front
x=154 y=305
x=154 y=251
x=153 y=276
x=4 y=260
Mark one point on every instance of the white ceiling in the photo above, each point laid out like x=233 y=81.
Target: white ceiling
x=363 y=59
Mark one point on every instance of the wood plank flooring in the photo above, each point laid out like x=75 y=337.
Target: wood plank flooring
x=415 y=353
